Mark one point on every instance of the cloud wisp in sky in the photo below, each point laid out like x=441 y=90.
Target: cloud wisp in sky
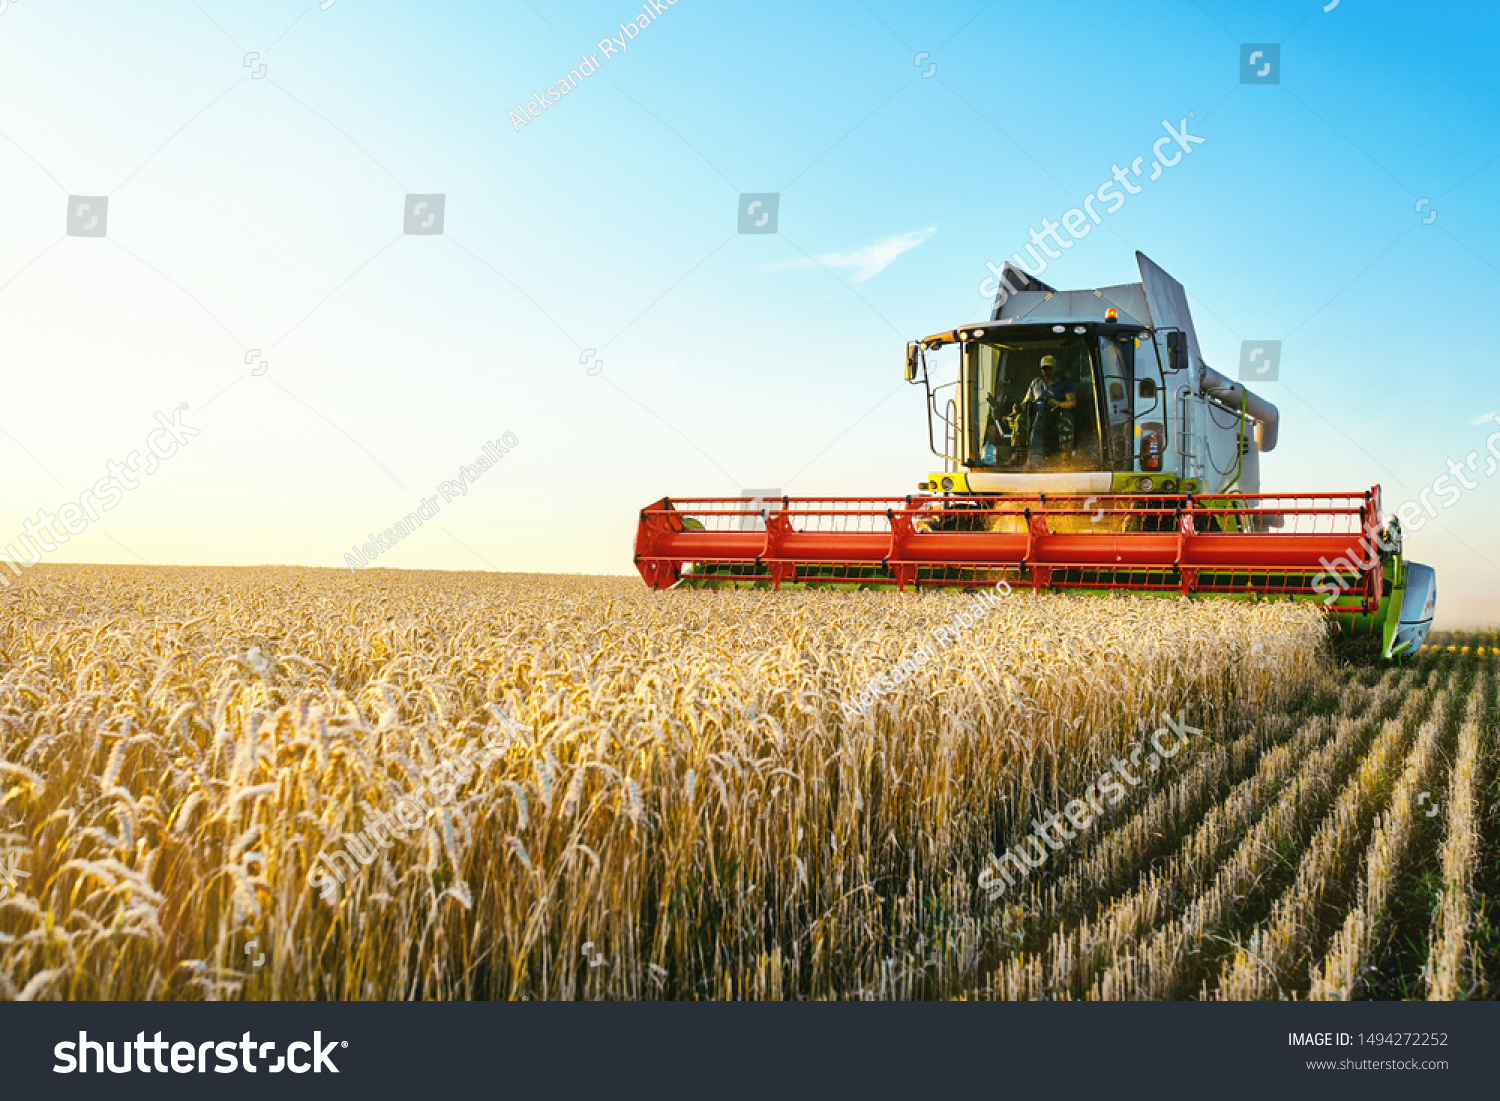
x=869 y=261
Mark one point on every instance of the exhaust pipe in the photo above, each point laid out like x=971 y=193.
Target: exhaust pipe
x=1229 y=392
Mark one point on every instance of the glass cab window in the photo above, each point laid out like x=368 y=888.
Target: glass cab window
x=1033 y=405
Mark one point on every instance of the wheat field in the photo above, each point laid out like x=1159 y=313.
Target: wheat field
x=301 y=784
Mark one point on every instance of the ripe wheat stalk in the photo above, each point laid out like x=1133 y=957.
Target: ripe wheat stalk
x=685 y=796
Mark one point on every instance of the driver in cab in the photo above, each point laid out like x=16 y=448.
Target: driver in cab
x=1047 y=394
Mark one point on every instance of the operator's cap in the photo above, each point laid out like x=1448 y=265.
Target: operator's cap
x=1049 y=361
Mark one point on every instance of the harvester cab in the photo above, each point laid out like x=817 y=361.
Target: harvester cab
x=1086 y=445
x=1094 y=392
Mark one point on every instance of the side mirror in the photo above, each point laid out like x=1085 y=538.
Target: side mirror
x=1177 y=356
x=911 y=361
x=1148 y=389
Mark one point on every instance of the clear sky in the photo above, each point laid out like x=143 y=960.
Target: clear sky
x=260 y=210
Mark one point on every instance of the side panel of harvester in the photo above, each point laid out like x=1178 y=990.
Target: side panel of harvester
x=1211 y=444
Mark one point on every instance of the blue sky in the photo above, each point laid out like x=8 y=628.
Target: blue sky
x=265 y=212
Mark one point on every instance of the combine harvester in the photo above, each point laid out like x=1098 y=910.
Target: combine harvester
x=1086 y=446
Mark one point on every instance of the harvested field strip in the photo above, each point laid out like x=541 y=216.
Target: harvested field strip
x=1073 y=956
x=1486 y=933
x=1398 y=962
x=1352 y=948
x=1274 y=958
x=1173 y=960
x=1125 y=851
x=1119 y=856
x=1450 y=959
x=1197 y=855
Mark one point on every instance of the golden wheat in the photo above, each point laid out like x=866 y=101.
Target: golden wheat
x=684 y=809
